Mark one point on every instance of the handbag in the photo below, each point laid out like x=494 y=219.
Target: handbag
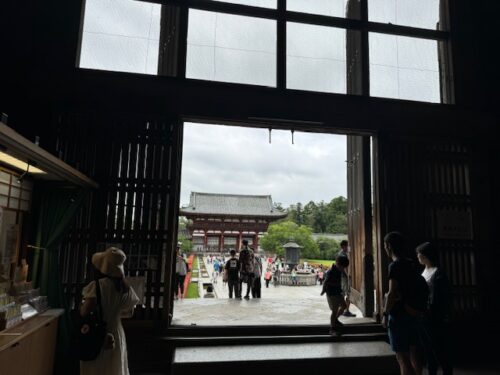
x=92 y=331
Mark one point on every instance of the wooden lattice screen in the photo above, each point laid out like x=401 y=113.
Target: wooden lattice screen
x=136 y=162
x=425 y=193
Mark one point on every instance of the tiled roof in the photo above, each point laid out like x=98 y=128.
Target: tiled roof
x=231 y=204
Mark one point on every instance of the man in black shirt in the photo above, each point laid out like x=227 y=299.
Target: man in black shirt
x=247 y=274
x=333 y=289
x=231 y=272
x=403 y=326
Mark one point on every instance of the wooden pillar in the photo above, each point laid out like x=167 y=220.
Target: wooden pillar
x=256 y=241
x=205 y=240
x=238 y=244
x=221 y=242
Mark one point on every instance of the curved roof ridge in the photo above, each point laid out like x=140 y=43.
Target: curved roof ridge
x=233 y=194
x=231 y=204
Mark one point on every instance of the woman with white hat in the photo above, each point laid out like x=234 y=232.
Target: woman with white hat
x=117 y=300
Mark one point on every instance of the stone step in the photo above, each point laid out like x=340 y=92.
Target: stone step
x=281 y=330
x=334 y=357
x=180 y=341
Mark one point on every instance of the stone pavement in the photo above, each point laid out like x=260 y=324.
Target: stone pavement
x=300 y=305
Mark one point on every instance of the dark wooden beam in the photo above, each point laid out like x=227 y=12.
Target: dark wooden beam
x=216 y=102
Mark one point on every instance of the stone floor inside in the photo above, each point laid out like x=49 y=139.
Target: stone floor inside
x=281 y=305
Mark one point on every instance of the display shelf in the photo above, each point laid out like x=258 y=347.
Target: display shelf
x=14 y=334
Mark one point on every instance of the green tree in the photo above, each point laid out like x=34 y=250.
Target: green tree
x=337 y=215
x=186 y=244
x=183 y=223
x=280 y=233
x=182 y=235
x=320 y=218
x=296 y=214
x=328 y=248
x=310 y=211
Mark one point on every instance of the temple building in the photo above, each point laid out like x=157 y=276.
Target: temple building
x=220 y=222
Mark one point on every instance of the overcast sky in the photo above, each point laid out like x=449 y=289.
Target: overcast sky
x=229 y=159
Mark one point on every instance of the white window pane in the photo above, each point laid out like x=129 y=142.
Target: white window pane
x=316 y=58
x=418 y=53
x=422 y=85
x=255 y=3
x=384 y=81
x=200 y=62
x=119 y=17
x=312 y=41
x=383 y=49
x=110 y=52
x=229 y=48
x=382 y=11
x=316 y=75
x=4 y=189
x=239 y=66
x=414 y=13
x=14 y=203
x=404 y=68
x=152 y=57
x=333 y=8
x=15 y=192
x=121 y=35
x=254 y=34
x=154 y=31
x=4 y=177
x=202 y=28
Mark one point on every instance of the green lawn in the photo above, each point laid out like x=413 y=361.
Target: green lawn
x=195 y=263
x=192 y=291
x=324 y=262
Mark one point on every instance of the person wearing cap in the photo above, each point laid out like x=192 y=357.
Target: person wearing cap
x=118 y=299
x=181 y=270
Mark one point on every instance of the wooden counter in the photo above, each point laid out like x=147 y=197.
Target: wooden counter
x=29 y=347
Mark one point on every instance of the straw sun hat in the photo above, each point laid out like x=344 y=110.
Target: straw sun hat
x=110 y=262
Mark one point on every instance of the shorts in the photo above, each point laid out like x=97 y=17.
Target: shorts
x=334 y=302
x=403 y=332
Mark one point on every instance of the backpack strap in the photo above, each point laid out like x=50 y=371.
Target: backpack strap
x=98 y=297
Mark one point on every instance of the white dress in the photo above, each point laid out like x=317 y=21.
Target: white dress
x=114 y=306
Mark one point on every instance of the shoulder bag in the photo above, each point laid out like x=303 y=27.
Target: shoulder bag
x=92 y=331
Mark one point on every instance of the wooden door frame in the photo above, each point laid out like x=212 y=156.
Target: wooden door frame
x=361 y=221
x=372 y=219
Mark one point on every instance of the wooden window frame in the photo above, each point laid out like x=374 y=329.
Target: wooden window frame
x=282 y=16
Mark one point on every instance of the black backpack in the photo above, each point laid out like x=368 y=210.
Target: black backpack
x=92 y=331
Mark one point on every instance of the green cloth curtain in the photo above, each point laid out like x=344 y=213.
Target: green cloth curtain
x=56 y=210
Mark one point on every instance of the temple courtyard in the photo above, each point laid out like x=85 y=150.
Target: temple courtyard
x=278 y=305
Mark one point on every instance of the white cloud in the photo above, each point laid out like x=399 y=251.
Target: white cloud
x=238 y=160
